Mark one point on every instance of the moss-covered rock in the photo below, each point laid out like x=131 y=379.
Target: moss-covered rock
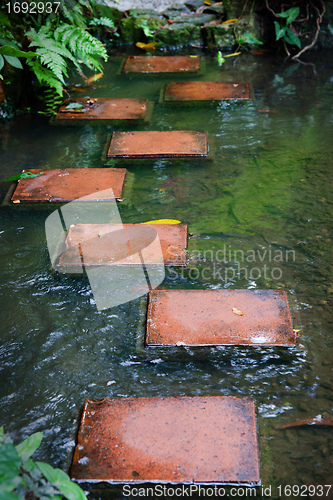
x=176 y=10
x=179 y=35
x=220 y=36
x=143 y=12
x=131 y=28
x=195 y=19
x=194 y=4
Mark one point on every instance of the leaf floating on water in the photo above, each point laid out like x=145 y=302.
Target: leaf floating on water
x=148 y=47
x=318 y=420
x=237 y=311
x=94 y=78
x=23 y=175
x=74 y=105
x=163 y=221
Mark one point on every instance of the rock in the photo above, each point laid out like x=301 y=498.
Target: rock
x=179 y=35
x=196 y=19
x=143 y=13
x=176 y=10
x=220 y=36
x=194 y=4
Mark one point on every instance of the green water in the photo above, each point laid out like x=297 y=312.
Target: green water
x=259 y=210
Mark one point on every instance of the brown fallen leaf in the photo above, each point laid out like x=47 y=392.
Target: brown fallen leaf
x=237 y=311
x=318 y=420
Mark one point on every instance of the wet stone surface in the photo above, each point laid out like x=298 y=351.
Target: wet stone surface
x=69 y=184
x=206 y=91
x=153 y=144
x=116 y=244
x=161 y=64
x=104 y=109
x=218 y=317
x=173 y=440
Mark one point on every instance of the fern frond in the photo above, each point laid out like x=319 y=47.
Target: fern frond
x=102 y=21
x=80 y=41
x=54 y=62
x=45 y=76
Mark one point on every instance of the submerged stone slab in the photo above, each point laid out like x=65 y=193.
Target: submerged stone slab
x=60 y=185
x=206 y=91
x=161 y=64
x=117 y=244
x=219 y=317
x=168 y=440
x=104 y=109
x=154 y=144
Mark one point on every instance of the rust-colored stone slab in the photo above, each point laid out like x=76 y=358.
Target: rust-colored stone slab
x=219 y=317
x=115 y=244
x=161 y=64
x=105 y=109
x=154 y=144
x=69 y=184
x=168 y=440
x=206 y=91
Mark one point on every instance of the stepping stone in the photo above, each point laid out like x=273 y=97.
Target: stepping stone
x=168 y=440
x=219 y=317
x=60 y=185
x=104 y=109
x=206 y=91
x=116 y=244
x=161 y=64
x=152 y=144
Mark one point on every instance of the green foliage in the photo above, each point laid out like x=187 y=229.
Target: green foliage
x=220 y=58
x=59 y=39
x=23 y=175
x=21 y=477
x=56 y=49
x=248 y=38
x=282 y=31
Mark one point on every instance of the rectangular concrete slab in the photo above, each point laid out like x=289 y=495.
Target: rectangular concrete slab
x=168 y=440
x=116 y=244
x=60 y=185
x=219 y=317
x=161 y=64
x=104 y=109
x=206 y=91
x=155 y=144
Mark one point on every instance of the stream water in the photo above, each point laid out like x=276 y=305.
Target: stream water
x=259 y=211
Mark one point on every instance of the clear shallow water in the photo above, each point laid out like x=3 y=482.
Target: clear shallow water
x=259 y=210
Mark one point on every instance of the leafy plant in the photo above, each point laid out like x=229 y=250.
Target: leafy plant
x=58 y=41
x=58 y=48
x=282 y=30
x=22 y=478
x=23 y=175
x=220 y=58
x=248 y=38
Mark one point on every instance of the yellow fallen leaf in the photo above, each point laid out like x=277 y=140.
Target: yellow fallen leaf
x=94 y=78
x=148 y=47
x=207 y=2
x=163 y=221
x=230 y=21
x=237 y=311
x=234 y=54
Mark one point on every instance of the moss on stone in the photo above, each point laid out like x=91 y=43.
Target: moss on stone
x=179 y=35
x=219 y=36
